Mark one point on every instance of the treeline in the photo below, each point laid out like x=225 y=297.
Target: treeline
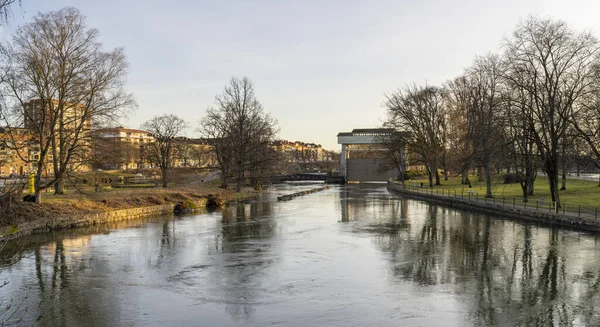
x=239 y=131
x=533 y=106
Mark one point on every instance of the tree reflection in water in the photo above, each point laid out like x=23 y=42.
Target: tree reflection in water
x=246 y=250
x=511 y=274
x=265 y=262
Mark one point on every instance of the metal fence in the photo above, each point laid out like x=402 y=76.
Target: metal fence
x=532 y=205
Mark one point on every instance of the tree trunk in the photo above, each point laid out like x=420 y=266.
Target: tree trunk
x=552 y=172
x=488 y=180
x=479 y=174
x=240 y=177
x=36 y=187
x=445 y=166
x=524 y=190
x=59 y=186
x=429 y=175
x=238 y=184
x=563 y=163
x=530 y=188
x=530 y=174
x=437 y=177
x=165 y=181
x=223 y=181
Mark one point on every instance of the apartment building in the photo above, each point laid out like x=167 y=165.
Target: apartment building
x=127 y=148
x=121 y=148
x=37 y=111
x=191 y=152
x=19 y=152
x=300 y=152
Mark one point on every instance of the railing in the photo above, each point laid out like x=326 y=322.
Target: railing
x=514 y=202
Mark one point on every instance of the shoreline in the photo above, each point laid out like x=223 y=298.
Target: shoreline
x=107 y=215
x=517 y=213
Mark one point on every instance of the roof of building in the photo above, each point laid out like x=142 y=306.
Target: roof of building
x=367 y=131
x=197 y=141
x=296 y=143
x=120 y=129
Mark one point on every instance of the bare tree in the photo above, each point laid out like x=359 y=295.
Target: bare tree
x=459 y=131
x=394 y=153
x=112 y=153
x=485 y=111
x=241 y=132
x=518 y=131
x=58 y=80
x=420 y=112
x=556 y=67
x=188 y=152
x=586 y=122
x=6 y=10
x=165 y=129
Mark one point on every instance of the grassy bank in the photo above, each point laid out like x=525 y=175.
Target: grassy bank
x=579 y=192
x=85 y=202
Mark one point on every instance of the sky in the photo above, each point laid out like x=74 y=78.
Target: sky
x=319 y=66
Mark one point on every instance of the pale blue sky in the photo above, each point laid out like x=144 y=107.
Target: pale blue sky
x=319 y=67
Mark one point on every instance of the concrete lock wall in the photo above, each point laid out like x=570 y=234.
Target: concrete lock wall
x=367 y=170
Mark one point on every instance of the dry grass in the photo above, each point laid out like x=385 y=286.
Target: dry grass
x=112 y=199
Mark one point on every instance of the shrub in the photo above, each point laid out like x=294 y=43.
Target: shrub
x=512 y=178
x=189 y=204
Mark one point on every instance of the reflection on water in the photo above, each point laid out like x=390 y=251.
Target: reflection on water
x=351 y=256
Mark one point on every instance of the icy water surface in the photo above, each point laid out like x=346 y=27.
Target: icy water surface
x=350 y=256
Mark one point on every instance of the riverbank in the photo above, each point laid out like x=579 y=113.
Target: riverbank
x=510 y=209
x=81 y=209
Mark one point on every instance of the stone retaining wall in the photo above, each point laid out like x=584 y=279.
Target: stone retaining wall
x=47 y=224
x=538 y=216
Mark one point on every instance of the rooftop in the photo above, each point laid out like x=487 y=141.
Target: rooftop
x=367 y=131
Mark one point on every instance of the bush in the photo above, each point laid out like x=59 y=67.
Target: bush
x=185 y=206
x=512 y=178
x=189 y=204
x=413 y=173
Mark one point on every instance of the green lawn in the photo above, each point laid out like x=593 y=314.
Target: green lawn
x=578 y=193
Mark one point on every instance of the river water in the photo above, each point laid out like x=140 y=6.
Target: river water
x=352 y=255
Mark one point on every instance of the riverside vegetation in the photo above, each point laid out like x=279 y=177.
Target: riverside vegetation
x=188 y=187
x=581 y=194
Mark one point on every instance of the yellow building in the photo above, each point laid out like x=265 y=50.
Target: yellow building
x=300 y=152
x=127 y=148
x=73 y=115
x=193 y=153
x=20 y=152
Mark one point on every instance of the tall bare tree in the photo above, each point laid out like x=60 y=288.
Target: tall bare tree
x=394 y=153
x=6 y=10
x=485 y=111
x=586 y=122
x=459 y=129
x=556 y=66
x=420 y=112
x=165 y=129
x=241 y=132
x=58 y=81
x=112 y=153
x=518 y=131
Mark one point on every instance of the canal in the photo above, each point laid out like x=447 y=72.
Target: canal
x=352 y=255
